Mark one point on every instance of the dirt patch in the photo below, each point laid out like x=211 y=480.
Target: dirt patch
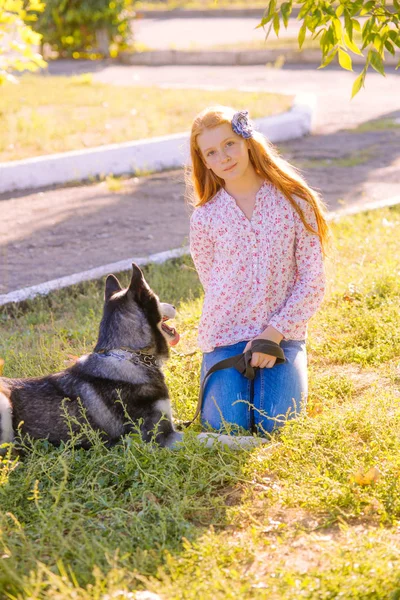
x=58 y=232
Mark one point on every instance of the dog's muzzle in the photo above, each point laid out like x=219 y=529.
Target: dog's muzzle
x=168 y=312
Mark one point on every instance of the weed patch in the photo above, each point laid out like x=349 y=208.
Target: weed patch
x=292 y=519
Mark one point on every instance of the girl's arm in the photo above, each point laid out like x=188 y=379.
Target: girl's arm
x=309 y=288
x=201 y=247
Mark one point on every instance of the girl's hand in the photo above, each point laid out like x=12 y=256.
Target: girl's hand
x=259 y=359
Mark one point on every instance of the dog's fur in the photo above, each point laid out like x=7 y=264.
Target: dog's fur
x=107 y=388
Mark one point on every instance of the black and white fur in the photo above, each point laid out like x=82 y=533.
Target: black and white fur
x=116 y=393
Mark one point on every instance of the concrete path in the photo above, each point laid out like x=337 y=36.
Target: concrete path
x=59 y=232
x=208 y=31
x=204 y=32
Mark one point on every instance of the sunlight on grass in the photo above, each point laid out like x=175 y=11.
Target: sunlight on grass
x=286 y=520
x=43 y=115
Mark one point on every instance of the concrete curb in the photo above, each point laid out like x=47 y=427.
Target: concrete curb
x=154 y=154
x=232 y=57
x=43 y=289
x=125 y=265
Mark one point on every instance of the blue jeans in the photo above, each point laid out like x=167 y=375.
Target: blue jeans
x=263 y=404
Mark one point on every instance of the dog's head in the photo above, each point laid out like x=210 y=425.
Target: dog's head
x=134 y=317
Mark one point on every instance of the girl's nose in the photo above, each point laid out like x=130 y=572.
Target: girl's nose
x=225 y=156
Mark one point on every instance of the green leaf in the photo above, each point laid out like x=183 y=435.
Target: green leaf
x=379 y=43
x=328 y=59
x=359 y=82
x=376 y=62
x=390 y=48
x=395 y=37
x=338 y=29
x=356 y=25
x=326 y=42
x=305 y=9
x=351 y=45
x=302 y=34
x=348 y=24
x=268 y=31
x=345 y=60
x=286 y=9
x=355 y=7
x=367 y=30
x=271 y=8
x=367 y=7
x=312 y=22
x=277 y=24
x=266 y=18
x=396 y=4
x=263 y=22
x=339 y=10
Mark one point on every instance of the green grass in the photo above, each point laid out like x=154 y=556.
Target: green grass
x=359 y=157
x=43 y=115
x=376 y=125
x=287 y=520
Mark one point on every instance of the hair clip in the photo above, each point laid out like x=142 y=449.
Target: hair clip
x=242 y=125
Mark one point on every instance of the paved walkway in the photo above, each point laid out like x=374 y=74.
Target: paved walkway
x=205 y=32
x=52 y=233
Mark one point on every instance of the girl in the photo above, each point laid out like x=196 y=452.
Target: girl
x=257 y=236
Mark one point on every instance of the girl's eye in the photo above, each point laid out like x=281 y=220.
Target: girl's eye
x=230 y=143
x=210 y=153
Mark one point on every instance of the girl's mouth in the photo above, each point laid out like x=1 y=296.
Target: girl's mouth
x=230 y=168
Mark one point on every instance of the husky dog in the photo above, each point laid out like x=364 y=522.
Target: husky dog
x=115 y=389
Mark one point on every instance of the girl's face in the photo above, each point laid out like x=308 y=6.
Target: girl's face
x=224 y=152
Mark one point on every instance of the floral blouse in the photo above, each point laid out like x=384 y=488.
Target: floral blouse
x=259 y=272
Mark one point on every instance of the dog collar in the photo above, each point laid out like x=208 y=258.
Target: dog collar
x=136 y=357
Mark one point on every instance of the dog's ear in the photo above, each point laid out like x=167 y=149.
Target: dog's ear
x=137 y=280
x=138 y=285
x=112 y=286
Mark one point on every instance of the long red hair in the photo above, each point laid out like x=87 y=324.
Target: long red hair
x=267 y=163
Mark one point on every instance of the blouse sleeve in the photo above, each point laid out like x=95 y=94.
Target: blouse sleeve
x=308 y=291
x=201 y=247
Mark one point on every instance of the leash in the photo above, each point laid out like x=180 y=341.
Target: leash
x=242 y=363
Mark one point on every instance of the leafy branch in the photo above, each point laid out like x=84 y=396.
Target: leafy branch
x=368 y=28
x=17 y=39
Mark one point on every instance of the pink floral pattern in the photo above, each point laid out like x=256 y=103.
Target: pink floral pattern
x=264 y=271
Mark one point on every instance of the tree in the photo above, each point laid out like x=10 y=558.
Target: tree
x=17 y=39
x=365 y=27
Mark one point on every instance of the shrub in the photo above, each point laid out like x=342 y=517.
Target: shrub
x=85 y=28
